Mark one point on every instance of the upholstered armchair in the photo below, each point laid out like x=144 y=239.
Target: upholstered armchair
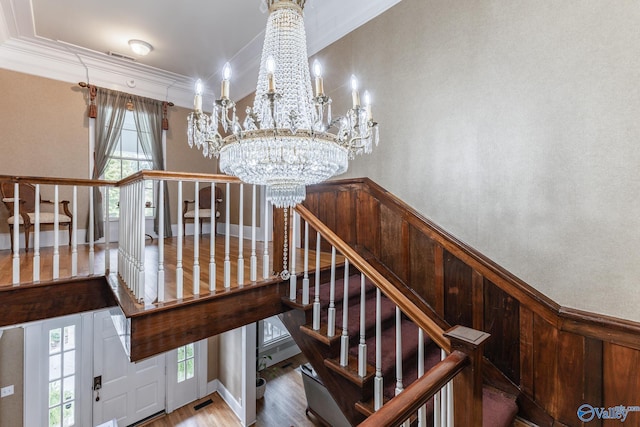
x=27 y=205
x=204 y=204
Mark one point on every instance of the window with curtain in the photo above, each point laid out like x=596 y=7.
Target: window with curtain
x=129 y=134
x=127 y=158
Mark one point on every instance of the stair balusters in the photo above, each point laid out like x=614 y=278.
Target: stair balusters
x=316 y=300
x=344 y=339
x=331 y=321
x=160 y=283
x=362 y=346
x=196 y=240
x=253 y=260
x=179 y=271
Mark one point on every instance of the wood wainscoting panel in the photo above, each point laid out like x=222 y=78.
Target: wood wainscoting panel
x=422 y=266
x=573 y=370
x=545 y=367
x=621 y=375
x=458 y=296
x=394 y=248
x=368 y=223
x=502 y=321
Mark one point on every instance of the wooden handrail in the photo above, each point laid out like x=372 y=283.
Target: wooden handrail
x=138 y=176
x=58 y=181
x=406 y=306
x=177 y=176
x=407 y=403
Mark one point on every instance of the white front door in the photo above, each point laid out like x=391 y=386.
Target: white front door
x=130 y=392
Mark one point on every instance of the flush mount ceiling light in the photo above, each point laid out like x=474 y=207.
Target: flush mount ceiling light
x=289 y=139
x=140 y=47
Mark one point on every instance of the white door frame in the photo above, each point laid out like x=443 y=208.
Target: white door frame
x=175 y=401
x=35 y=369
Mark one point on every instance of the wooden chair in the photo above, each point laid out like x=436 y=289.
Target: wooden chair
x=27 y=197
x=204 y=203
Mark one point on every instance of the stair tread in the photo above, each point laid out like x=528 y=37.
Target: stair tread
x=350 y=371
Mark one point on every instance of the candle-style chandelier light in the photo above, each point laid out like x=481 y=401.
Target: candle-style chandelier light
x=289 y=138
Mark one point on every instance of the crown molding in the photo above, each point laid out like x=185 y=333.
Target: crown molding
x=67 y=63
x=22 y=50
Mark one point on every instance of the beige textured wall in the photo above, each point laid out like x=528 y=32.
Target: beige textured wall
x=11 y=372
x=44 y=132
x=230 y=364
x=213 y=358
x=513 y=125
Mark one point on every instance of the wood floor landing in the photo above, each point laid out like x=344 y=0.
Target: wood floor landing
x=151 y=267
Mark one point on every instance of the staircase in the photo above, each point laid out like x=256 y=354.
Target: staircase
x=353 y=391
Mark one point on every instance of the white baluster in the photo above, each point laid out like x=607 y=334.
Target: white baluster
x=293 y=279
x=266 y=271
x=450 y=419
x=74 y=238
x=253 y=263
x=399 y=385
x=362 y=346
x=196 y=241
x=36 y=237
x=316 y=301
x=241 y=237
x=378 y=381
x=422 y=411
x=443 y=399
x=305 y=280
x=141 y=242
x=56 y=234
x=16 y=236
x=227 y=236
x=179 y=272
x=92 y=233
x=212 y=241
x=331 y=320
x=160 y=281
x=107 y=235
x=344 y=339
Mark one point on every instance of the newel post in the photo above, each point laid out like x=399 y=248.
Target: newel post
x=467 y=386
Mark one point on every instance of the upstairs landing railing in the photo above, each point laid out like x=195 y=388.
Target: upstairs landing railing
x=455 y=381
x=144 y=265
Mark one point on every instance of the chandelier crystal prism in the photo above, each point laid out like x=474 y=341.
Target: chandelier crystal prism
x=288 y=139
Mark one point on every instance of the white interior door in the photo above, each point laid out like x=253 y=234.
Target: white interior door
x=130 y=392
x=182 y=376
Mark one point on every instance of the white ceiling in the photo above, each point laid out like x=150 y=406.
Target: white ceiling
x=191 y=38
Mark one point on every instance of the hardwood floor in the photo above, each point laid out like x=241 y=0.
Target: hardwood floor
x=283 y=405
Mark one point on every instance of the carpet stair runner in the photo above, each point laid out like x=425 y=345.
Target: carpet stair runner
x=499 y=410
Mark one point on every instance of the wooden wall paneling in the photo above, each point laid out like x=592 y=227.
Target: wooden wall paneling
x=368 y=223
x=526 y=350
x=477 y=295
x=545 y=366
x=621 y=375
x=594 y=371
x=458 y=300
x=502 y=321
x=327 y=213
x=422 y=272
x=438 y=259
x=345 y=216
x=391 y=245
x=311 y=203
x=571 y=377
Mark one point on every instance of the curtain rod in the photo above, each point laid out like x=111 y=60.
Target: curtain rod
x=88 y=86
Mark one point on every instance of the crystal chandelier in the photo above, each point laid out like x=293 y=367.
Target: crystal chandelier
x=289 y=139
